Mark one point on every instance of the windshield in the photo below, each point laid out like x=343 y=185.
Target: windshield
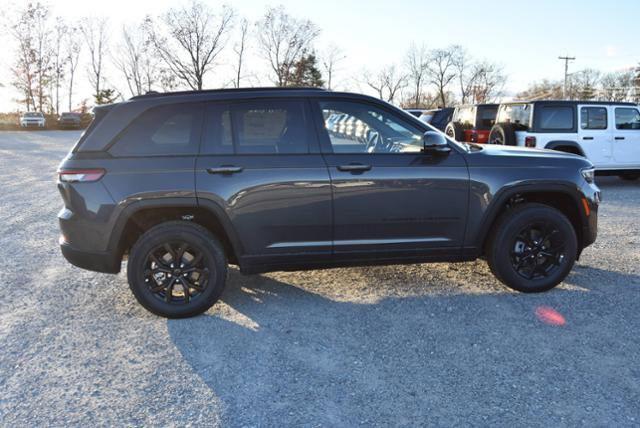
x=32 y=114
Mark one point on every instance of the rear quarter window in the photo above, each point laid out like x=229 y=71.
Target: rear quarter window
x=164 y=130
x=555 y=118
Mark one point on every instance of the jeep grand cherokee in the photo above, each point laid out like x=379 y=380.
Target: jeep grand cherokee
x=182 y=184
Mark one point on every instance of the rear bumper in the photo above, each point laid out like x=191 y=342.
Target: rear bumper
x=105 y=262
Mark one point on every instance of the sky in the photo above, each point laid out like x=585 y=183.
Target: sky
x=524 y=37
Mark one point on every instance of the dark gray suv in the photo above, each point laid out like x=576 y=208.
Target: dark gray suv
x=183 y=184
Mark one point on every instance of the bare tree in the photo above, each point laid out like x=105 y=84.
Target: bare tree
x=417 y=62
x=73 y=47
x=387 y=83
x=617 y=86
x=441 y=71
x=24 y=69
x=330 y=59
x=95 y=32
x=583 y=84
x=488 y=82
x=543 y=90
x=135 y=61
x=59 y=61
x=189 y=39
x=239 y=49
x=283 y=40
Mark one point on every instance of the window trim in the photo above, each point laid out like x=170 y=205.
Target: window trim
x=606 y=117
x=615 y=123
x=323 y=135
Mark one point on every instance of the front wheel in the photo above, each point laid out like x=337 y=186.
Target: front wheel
x=177 y=269
x=533 y=248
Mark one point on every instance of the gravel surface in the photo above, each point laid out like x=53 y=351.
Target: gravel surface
x=443 y=344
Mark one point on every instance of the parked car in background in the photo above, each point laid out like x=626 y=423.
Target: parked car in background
x=438 y=118
x=417 y=112
x=182 y=184
x=606 y=133
x=32 y=119
x=472 y=123
x=69 y=120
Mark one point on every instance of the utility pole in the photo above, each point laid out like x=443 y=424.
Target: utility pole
x=566 y=60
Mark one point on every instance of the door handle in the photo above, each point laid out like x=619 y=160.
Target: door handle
x=587 y=138
x=354 y=168
x=225 y=169
x=619 y=138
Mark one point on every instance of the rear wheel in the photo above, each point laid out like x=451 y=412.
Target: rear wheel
x=177 y=269
x=533 y=248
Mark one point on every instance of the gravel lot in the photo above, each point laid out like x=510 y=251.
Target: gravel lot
x=439 y=344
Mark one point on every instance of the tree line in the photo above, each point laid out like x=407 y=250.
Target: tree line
x=183 y=46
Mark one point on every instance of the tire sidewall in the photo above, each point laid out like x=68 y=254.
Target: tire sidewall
x=213 y=257
x=503 y=241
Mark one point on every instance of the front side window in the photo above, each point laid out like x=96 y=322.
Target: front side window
x=165 y=130
x=555 y=118
x=363 y=128
x=593 y=118
x=627 y=118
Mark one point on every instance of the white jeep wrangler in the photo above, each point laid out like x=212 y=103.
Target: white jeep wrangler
x=606 y=133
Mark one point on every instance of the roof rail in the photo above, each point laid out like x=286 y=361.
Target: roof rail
x=153 y=94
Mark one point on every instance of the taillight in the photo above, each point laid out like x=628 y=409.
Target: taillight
x=530 y=141
x=80 y=175
x=474 y=136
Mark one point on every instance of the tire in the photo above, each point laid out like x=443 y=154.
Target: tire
x=630 y=176
x=152 y=268
x=503 y=134
x=532 y=271
x=455 y=131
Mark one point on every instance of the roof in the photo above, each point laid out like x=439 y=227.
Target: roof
x=572 y=102
x=154 y=94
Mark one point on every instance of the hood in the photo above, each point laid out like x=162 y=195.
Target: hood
x=496 y=155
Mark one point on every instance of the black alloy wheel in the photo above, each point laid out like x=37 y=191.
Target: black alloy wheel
x=537 y=251
x=175 y=272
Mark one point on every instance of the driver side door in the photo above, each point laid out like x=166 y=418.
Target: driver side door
x=389 y=197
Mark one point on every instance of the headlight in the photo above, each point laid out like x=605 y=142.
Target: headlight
x=588 y=174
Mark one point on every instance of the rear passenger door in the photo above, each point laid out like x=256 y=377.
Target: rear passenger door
x=260 y=163
x=595 y=134
x=626 y=144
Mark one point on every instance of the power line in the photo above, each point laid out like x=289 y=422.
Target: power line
x=566 y=72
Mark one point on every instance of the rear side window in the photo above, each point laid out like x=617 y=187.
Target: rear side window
x=517 y=114
x=165 y=130
x=257 y=127
x=627 y=118
x=486 y=117
x=555 y=118
x=593 y=118
x=465 y=116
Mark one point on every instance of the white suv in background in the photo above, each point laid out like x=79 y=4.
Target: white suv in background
x=606 y=133
x=32 y=119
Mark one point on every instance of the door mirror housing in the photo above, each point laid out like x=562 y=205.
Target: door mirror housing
x=435 y=142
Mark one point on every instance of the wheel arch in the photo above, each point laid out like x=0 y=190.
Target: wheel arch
x=568 y=144
x=140 y=216
x=557 y=195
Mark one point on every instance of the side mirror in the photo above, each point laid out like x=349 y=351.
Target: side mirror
x=435 y=142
